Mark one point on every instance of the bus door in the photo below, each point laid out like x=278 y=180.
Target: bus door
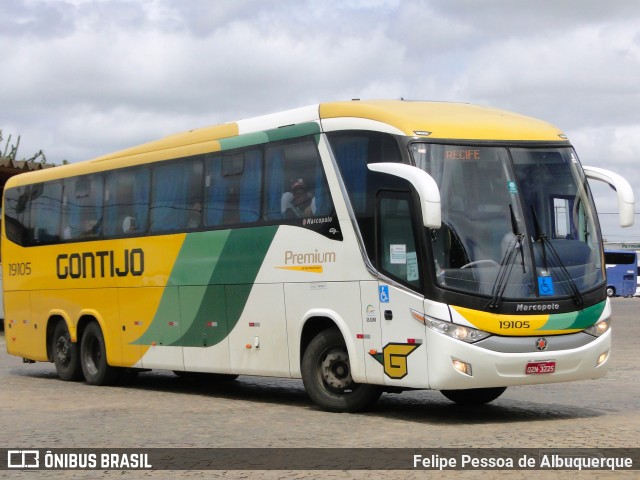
x=403 y=355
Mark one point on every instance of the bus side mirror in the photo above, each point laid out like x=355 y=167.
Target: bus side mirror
x=423 y=183
x=622 y=188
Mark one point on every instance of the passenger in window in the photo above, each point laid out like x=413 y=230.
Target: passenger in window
x=91 y=227
x=129 y=225
x=195 y=215
x=299 y=202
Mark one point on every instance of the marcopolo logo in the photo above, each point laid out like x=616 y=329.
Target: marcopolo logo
x=537 y=307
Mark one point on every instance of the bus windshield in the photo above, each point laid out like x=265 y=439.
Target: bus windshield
x=517 y=223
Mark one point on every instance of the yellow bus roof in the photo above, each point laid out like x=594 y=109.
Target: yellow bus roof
x=430 y=120
x=444 y=120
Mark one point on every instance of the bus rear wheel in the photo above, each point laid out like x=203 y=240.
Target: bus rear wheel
x=65 y=354
x=473 y=396
x=611 y=292
x=93 y=357
x=326 y=374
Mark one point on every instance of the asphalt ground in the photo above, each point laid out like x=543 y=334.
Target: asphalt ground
x=161 y=410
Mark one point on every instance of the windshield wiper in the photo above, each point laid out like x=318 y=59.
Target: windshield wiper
x=545 y=242
x=506 y=266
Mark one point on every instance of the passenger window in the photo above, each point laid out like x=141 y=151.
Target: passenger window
x=16 y=214
x=177 y=188
x=126 y=202
x=233 y=185
x=46 y=212
x=81 y=207
x=296 y=186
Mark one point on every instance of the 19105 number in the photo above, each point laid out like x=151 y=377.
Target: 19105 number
x=18 y=269
x=506 y=324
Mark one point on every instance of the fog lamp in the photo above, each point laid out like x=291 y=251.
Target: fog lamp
x=602 y=358
x=462 y=367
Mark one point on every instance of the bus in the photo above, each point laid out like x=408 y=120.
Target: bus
x=622 y=272
x=360 y=246
x=637 y=293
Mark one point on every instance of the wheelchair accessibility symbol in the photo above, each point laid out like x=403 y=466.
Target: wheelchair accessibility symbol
x=545 y=286
x=383 y=291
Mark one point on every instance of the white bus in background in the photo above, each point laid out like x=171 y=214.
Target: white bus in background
x=637 y=294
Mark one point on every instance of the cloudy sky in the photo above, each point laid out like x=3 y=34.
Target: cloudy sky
x=81 y=78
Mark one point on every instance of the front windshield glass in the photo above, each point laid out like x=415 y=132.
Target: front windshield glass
x=561 y=219
x=511 y=228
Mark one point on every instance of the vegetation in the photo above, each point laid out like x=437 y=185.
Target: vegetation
x=10 y=151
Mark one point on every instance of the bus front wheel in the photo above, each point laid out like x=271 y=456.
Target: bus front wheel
x=473 y=396
x=326 y=374
x=611 y=292
x=65 y=354
x=93 y=357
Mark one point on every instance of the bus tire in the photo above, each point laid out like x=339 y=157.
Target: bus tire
x=473 y=396
x=93 y=357
x=611 y=292
x=326 y=374
x=65 y=353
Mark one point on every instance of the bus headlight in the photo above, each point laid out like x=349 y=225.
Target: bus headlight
x=599 y=328
x=459 y=332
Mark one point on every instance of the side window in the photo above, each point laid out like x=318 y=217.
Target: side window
x=398 y=255
x=46 y=201
x=176 y=198
x=295 y=183
x=233 y=185
x=353 y=151
x=126 y=202
x=16 y=214
x=82 y=207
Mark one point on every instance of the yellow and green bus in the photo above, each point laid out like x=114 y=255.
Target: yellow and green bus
x=362 y=246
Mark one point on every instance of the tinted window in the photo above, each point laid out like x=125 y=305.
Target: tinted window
x=233 y=183
x=295 y=184
x=16 y=214
x=82 y=207
x=46 y=202
x=398 y=254
x=126 y=204
x=619 y=258
x=176 y=195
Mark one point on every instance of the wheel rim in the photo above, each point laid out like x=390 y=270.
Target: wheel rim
x=334 y=370
x=92 y=355
x=63 y=350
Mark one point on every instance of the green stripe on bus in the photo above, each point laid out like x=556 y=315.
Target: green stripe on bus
x=246 y=140
x=258 y=138
x=209 y=287
x=575 y=320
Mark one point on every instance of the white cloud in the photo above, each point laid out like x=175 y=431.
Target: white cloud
x=85 y=77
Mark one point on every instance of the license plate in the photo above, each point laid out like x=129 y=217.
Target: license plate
x=535 y=368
